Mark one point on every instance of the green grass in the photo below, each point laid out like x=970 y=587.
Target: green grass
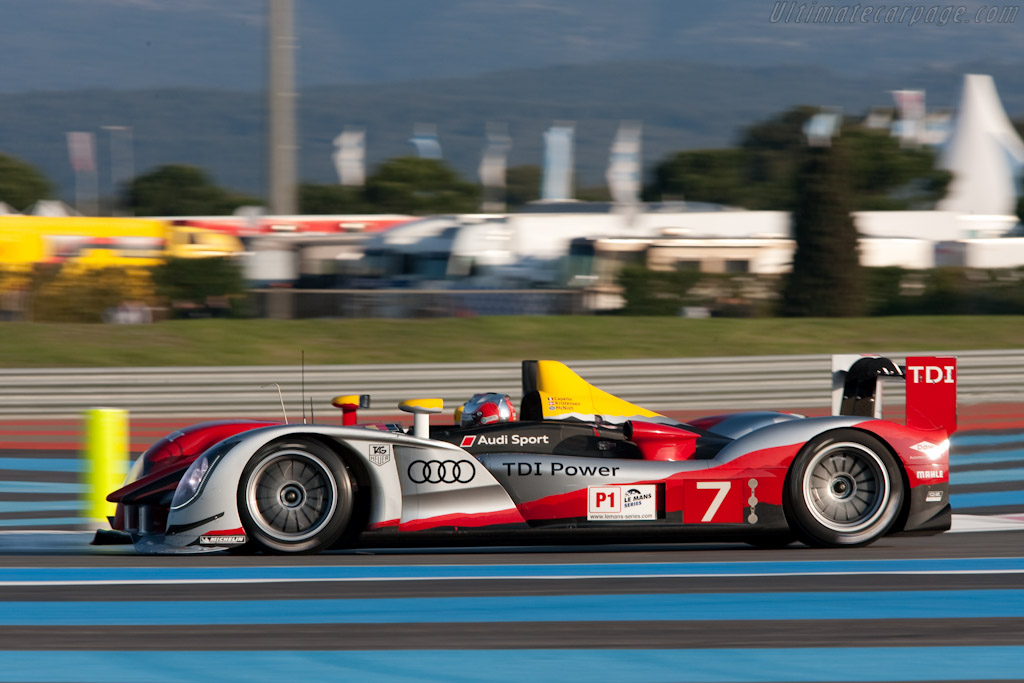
x=461 y=340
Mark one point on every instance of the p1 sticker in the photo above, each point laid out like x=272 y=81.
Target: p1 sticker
x=630 y=502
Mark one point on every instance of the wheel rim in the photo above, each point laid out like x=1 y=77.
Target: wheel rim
x=291 y=495
x=846 y=486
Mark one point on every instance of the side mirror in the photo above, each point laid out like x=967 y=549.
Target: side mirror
x=349 y=406
x=422 y=409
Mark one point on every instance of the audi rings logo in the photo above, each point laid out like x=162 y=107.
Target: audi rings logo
x=441 y=471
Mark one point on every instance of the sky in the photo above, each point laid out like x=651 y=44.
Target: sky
x=134 y=44
x=143 y=46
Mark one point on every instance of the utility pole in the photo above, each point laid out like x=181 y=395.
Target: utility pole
x=122 y=167
x=283 y=148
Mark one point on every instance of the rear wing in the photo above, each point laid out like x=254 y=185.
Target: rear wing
x=551 y=391
x=930 y=396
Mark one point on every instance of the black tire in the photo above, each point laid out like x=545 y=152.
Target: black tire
x=295 y=496
x=844 y=489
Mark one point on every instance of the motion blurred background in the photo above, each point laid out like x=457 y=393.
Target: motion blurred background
x=603 y=119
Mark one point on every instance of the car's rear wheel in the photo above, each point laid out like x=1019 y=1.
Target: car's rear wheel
x=844 y=489
x=295 y=496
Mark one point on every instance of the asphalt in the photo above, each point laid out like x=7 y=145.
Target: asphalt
x=870 y=574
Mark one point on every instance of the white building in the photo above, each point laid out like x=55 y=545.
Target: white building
x=984 y=153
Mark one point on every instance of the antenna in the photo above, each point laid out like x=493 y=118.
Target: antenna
x=280 y=396
x=303 y=370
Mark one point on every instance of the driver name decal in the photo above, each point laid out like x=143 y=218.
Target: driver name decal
x=563 y=404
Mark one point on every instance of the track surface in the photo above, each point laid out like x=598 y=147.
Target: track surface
x=947 y=607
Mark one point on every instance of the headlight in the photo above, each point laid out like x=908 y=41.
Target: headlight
x=192 y=481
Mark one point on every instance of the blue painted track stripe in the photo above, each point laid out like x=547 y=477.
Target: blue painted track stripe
x=969 y=439
x=988 y=458
x=753 y=665
x=950 y=604
x=166 y=574
x=41 y=487
x=987 y=476
x=42 y=523
x=960 y=501
x=43 y=464
x=41 y=505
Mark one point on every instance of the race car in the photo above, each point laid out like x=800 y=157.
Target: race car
x=575 y=464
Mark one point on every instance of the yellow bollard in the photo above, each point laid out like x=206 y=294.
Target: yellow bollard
x=106 y=448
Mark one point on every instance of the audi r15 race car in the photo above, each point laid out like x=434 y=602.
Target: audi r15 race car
x=578 y=463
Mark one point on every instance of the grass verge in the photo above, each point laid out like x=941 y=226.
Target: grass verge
x=462 y=340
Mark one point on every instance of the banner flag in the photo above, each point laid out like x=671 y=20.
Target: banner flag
x=624 y=166
x=350 y=156
x=494 y=161
x=82 y=152
x=424 y=139
x=821 y=128
x=558 y=162
x=910 y=127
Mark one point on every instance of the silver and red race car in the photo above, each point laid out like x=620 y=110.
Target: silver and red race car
x=576 y=464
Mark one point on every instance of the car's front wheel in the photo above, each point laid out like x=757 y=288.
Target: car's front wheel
x=295 y=496
x=844 y=489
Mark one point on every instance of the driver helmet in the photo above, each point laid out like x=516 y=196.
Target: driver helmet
x=485 y=409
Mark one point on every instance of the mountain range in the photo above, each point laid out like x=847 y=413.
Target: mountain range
x=133 y=44
x=187 y=77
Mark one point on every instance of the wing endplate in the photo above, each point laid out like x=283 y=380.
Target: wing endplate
x=551 y=391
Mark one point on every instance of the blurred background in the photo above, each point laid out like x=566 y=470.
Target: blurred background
x=307 y=158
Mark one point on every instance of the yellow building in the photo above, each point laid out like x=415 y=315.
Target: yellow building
x=105 y=242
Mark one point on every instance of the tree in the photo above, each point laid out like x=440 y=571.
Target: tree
x=826 y=279
x=332 y=199
x=522 y=185
x=178 y=190
x=655 y=292
x=420 y=187
x=760 y=173
x=886 y=176
x=1018 y=125
x=73 y=293
x=709 y=175
x=771 y=151
x=206 y=286
x=593 y=193
x=21 y=185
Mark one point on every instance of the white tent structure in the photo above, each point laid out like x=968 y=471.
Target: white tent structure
x=52 y=208
x=984 y=153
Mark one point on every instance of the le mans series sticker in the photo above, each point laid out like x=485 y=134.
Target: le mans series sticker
x=621 y=502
